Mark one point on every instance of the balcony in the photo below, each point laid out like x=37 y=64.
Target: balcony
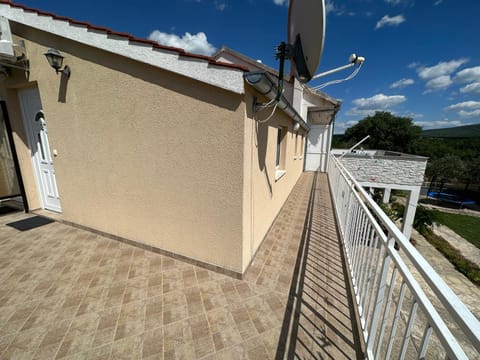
x=325 y=284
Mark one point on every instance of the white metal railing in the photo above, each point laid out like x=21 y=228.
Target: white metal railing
x=406 y=310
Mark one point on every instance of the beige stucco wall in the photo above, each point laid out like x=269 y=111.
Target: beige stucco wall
x=155 y=157
x=142 y=153
x=263 y=195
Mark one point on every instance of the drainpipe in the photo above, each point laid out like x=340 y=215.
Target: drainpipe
x=265 y=85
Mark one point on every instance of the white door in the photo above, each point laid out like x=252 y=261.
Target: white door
x=318 y=147
x=36 y=126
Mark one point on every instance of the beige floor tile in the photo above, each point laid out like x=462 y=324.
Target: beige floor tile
x=84 y=296
x=100 y=353
x=153 y=343
x=129 y=348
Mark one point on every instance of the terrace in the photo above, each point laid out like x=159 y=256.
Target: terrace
x=326 y=283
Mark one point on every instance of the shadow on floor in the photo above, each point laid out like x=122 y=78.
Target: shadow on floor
x=319 y=321
x=4 y=210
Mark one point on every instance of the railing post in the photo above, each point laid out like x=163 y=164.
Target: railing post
x=379 y=302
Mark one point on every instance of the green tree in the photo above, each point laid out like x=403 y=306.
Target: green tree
x=387 y=132
x=472 y=173
x=448 y=167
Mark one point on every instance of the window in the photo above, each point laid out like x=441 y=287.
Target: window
x=281 y=151
x=302 y=146
x=279 y=146
x=296 y=147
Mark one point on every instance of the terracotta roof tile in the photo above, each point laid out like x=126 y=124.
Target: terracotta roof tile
x=181 y=52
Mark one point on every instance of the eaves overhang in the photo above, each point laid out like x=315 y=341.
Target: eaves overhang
x=199 y=67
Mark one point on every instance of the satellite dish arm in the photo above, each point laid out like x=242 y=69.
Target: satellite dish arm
x=333 y=71
x=354 y=60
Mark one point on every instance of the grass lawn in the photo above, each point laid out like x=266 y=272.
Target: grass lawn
x=466 y=226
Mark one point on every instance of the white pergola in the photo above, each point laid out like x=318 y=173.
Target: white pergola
x=388 y=170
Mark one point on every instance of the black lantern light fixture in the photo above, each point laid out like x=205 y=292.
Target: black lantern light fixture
x=55 y=59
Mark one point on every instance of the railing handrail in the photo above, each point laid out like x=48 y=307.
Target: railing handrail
x=461 y=314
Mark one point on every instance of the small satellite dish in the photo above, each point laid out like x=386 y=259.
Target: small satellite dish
x=306 y=34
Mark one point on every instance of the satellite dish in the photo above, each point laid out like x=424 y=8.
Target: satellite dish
x=306 y=34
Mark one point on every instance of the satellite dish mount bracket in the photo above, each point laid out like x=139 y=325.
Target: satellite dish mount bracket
x=293 y=53
x=282 y=52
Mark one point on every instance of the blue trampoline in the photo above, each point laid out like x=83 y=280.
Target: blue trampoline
x=451 y=198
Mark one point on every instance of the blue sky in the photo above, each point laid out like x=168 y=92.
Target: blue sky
x=422 y=57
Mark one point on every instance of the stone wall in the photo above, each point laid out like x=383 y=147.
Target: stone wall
x=385 y=170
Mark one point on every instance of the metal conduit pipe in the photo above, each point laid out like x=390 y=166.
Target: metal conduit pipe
x=265 y=85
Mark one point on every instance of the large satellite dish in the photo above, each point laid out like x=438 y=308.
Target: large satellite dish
x=306 y=35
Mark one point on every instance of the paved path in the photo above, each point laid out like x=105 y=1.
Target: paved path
x=66 y=293
x=468 y=293
x=466 y=248
x=452 y=210
x=459 y=283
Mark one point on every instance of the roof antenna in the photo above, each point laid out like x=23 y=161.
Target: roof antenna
x=354 y=146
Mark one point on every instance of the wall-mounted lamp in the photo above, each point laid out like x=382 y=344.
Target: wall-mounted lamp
x=55 y=59
x=296 y=126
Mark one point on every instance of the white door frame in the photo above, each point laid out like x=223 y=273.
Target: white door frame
x=33 y=118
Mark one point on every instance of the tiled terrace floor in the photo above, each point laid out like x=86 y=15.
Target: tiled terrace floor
x=68 y=293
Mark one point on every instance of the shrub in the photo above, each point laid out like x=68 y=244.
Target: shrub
x=424 y=219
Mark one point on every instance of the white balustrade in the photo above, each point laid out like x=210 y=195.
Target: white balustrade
x=406 y=310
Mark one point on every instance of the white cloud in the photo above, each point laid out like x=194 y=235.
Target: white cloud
x=473 y=113
x=439 y=83
x=466 y=105
x=438 y=2
x=413 y=65
x=390 y=21
x=439 y=123
x=402 y=83
x=413 y=115
x=345 y=124
x=398 y=2
x=330 y=6
x=197 y=43
x=220 y=6
x=442 y=68
x=280 y=2
x=438 y=76
x=467 y=109
x=379 y=102
x=468 y=75
x=473 y=88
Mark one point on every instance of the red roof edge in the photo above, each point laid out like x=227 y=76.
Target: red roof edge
x=181 y=52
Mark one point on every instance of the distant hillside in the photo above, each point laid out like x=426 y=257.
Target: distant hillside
x=467 y=131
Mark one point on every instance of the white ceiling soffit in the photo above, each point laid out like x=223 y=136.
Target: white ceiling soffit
x=321 y=117
x=228 y=78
